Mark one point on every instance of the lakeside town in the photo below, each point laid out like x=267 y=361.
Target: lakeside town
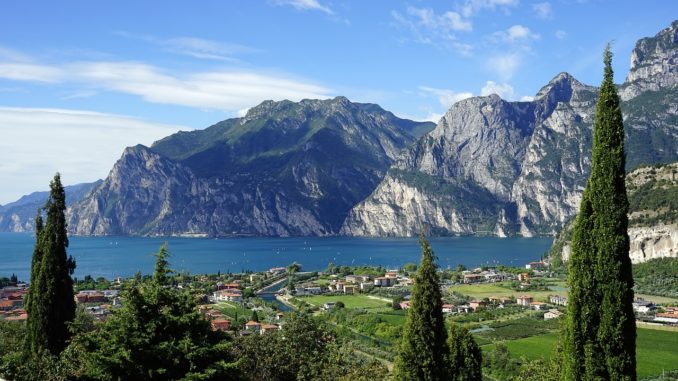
x=230 y=300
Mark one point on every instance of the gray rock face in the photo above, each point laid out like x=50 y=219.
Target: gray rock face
x=489 y=167
x=284 y=169
x=654 y=64
x=504 y=168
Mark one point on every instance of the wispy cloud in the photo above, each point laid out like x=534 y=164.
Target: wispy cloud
x=446 y=97
x=25 y=71
x=227 y=90
x=312 y=5
x=543 y=10
x=82 y=145
x=472 y=7
x=561 y=34
x=429 y=27
x=504 y=65
x=504 y=90
x=516 y=34
x=193 y=46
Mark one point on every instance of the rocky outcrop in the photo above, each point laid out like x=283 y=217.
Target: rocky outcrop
x=284 y=169
x=654 y=64
x=653 y=242
x=653 y=215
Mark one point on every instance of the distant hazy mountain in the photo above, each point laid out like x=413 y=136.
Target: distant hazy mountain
x=19 y=216
x=497 y=167
x=284 y=169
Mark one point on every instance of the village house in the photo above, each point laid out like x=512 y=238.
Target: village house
x=313 y=290
x=269 y=328
x=277 y=270
x=558 y=300
x=552 y=314
x=476 y=304
x=448 y=308
x=383 y=281
x=643 y=306
x=524 y=300
x=539 y=266
x=221 y=325
x=90 y=296
x=337 y=286
x=357 y=278
x=538 y=306
x=391 y=274
x=9 y=305
x=473 y=278
x=524 y=277
x=279 y=316
x=253 y=326
x=670 y=316
x=351 y=289
x=227 y=296
x=366 y=286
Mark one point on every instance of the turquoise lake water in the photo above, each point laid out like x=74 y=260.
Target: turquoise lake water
x=123 y=256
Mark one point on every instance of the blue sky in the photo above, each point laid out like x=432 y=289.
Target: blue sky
x=81 y=80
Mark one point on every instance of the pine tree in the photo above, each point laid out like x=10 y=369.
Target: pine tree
x=254 y=317
x=423 y=350
x=158 y=334
x=466 y=359
x=601 y=333
x=50 y=303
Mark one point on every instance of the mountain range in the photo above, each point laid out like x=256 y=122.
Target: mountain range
x=328 y=167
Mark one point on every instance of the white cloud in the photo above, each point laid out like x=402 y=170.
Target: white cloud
x=193 y=46
x=472 y=7
x=504 y=90
x=526 y=98
x=516 y=33
x=429 y=27
x=24 y=71
x=446 y=98
x=504 y=65
x=448 y=21
x=227 y=90
x=312 y=5
x=543 y=10
x=561 y=34
x=82 y=145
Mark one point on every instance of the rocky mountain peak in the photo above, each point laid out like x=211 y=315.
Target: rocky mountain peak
x=653 y=63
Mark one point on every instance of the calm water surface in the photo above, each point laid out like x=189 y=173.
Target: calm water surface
x=123 y=256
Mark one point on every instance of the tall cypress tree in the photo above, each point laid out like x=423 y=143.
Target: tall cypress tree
x=466 y=359
x=600 y=336
x=50 y=303
x=423 y=352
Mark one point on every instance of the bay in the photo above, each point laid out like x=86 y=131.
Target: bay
x=123 y=256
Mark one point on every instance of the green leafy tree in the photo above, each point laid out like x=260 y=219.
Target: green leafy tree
x=158 y=335
x=254 y=317
x=423 y=350
x=600 y=335
x=50 y=303
x=466 y=359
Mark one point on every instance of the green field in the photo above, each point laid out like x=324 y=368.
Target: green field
x=350 y=301
x=486 y=290
x=233 y=309
x=656 y=350
x=658 y=299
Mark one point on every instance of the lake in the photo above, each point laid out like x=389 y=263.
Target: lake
x=124 y=256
